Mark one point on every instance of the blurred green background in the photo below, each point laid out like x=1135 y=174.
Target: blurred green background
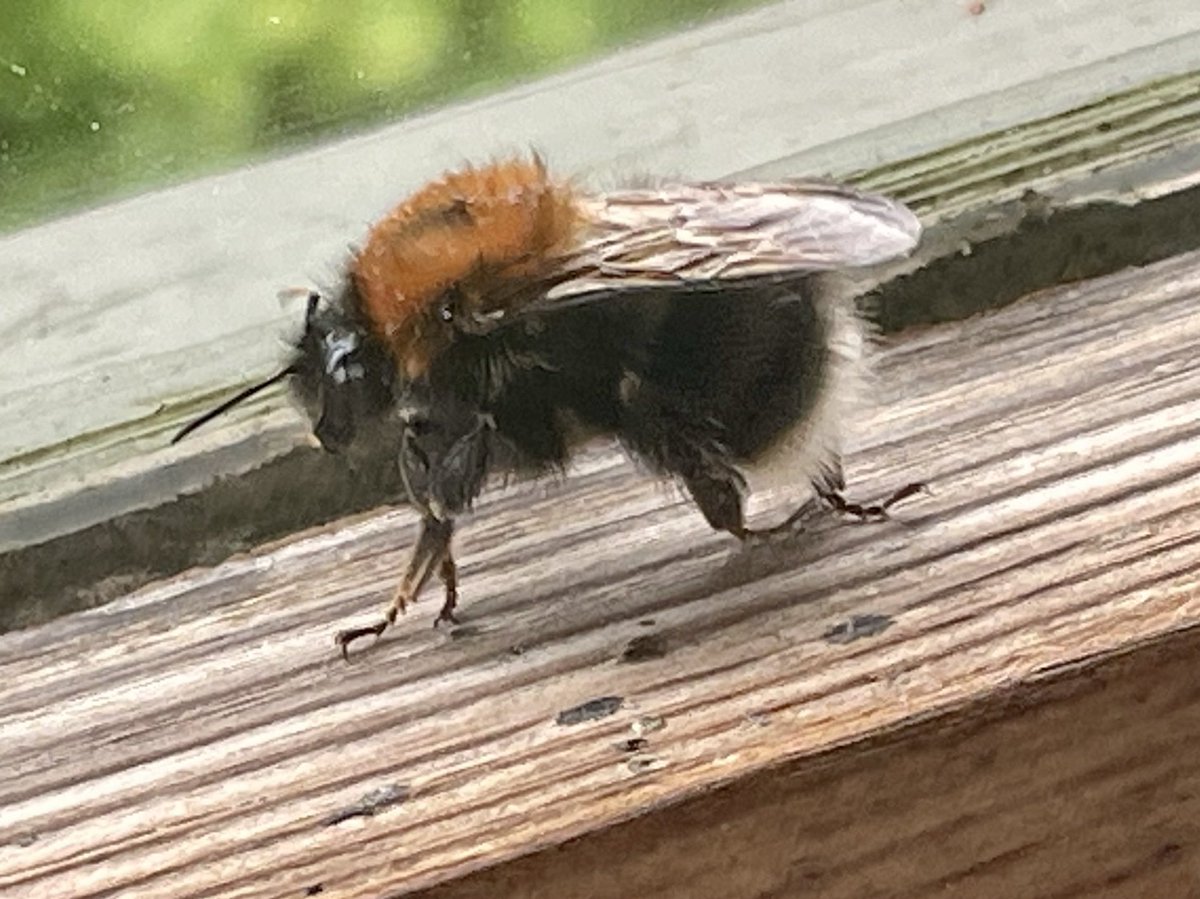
x=105 y=98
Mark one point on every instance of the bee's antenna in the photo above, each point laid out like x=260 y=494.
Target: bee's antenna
x=244 y=395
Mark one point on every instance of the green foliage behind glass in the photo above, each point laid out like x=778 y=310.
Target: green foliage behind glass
x=107 y=97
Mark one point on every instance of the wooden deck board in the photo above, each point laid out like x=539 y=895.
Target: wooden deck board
x=192 y=738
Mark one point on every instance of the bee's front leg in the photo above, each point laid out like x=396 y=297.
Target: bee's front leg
x=449 y=575
x=431 y=552
x=442 y=475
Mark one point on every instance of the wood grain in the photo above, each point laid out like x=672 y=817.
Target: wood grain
x=1078 y=786
x=193 y=738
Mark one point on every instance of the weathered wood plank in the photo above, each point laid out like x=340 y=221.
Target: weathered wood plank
x=1083 y=787
x=193 y=738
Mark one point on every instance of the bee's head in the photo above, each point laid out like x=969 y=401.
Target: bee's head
x=340 y=372
x=343 y=374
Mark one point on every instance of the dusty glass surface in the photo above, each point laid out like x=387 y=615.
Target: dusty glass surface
x=105 y=98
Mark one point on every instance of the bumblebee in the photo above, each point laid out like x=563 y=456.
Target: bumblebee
x=500 y=317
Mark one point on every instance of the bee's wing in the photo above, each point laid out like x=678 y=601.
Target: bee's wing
x=704 y=232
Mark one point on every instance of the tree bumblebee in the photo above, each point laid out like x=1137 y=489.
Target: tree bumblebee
x=499 y=317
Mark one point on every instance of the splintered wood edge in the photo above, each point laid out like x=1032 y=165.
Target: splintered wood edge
x=202 y=737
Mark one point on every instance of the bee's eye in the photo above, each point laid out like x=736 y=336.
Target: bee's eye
x=446 y=312
x=341 y=362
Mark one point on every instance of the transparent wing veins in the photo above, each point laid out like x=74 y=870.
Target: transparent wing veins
x=688 y=232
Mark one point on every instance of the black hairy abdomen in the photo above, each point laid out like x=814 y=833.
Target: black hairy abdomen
x=750 y=360
x=682 y=376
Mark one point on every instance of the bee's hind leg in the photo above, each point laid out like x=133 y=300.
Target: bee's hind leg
x=828 y=496
x=829 y=482
x=720 y=496
x=877 y=511
x=674 y=443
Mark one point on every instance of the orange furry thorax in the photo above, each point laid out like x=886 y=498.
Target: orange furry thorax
x=469 y=244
